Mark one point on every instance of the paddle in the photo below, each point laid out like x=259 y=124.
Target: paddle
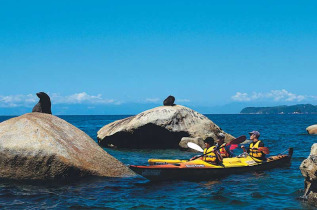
x=235 y=142
x=199 y=149
x=195 y=147
x=238 y=140
x=265 y=150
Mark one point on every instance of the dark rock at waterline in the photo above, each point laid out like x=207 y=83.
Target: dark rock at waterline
x=309 y=170
x=162 y=127
x=39 y=146
x=169 y=101
x=312 y=129
x=44 y=105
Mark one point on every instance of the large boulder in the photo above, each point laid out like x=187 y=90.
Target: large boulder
x=161 y=127
x=312 y=129
x=309 y=170
x=41 y=146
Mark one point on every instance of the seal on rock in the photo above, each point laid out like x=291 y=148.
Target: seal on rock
x=44 y=105
x=162 y=127
x=169 y=101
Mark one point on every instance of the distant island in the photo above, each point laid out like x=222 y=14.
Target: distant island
x=295 y=109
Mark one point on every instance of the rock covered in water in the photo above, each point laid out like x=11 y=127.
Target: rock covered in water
x=312 y=129
x=309 y=170
x=161 y=127
x=42 y=146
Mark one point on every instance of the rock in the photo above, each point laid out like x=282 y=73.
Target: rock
x=44 y=105
x=308 y=169
x=196 y=140
x=41 y=146
x=169 y=101
x=312 y=129
x=162 y=127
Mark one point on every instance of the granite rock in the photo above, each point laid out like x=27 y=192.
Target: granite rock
x=40 y=146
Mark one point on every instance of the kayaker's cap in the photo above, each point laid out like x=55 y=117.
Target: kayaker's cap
x=209 y=140
x=256 y=133
x=221 y=136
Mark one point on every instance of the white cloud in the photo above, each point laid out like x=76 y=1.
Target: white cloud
x=241 y=97
x=80 y=98
x=182 y=100
x=275 y=95
x=152 y=100
x=31 y=99
x=18 y=100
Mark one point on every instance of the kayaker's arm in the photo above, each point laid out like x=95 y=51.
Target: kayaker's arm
x=243 y=148
x=196 y=157
x=201 y=156
x=218 y=156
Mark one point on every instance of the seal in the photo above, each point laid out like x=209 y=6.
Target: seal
x=44 y=105
x=169 y=101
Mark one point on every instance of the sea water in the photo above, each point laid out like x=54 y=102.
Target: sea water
x=277 y=188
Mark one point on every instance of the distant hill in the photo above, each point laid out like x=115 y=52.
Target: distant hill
x=295 y=109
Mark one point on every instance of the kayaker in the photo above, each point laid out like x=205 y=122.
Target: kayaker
x=210 y=152
x=254 y=146
x=222 y=147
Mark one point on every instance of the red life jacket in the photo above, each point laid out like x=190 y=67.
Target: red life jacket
x=223 y=151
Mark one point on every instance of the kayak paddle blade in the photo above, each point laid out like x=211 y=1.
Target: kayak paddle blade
x=265 y=150
x=195 y=147
x=238 y=140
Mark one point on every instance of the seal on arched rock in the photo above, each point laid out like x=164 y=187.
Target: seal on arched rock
x=169 y=101
x=44 y=105
x=162 y=127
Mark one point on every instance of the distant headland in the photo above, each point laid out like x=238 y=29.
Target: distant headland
x=294 y=109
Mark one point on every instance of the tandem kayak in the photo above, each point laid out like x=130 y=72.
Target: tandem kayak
x=201 y=170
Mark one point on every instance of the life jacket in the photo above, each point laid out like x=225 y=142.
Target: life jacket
x=223 y=151
x=254 y=152
x=211 y=156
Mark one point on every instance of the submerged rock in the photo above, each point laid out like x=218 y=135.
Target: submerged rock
x=312 y=129
x=161 y=127
x=309 y=170
x=42 y=146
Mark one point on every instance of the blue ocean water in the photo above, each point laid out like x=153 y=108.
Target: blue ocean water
x=277 y=188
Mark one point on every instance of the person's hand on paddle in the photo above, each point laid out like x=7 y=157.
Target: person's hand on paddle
x=196 y=157
x=243 y=147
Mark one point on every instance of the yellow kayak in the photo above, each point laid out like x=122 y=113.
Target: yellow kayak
x=164 y=169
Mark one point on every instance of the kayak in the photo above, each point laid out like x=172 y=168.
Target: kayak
x=165 y=161
x=201 y=170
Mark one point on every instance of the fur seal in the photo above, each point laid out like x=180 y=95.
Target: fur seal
x=44 y=105
x=169 y=101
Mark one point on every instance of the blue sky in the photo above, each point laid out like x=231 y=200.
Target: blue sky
x=121 y=57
